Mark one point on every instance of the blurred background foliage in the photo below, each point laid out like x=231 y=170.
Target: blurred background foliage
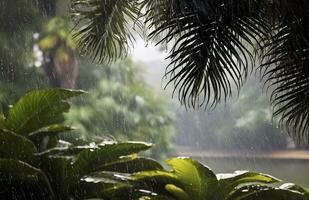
x=19 y=20
x=245 y=122
x=121 y=105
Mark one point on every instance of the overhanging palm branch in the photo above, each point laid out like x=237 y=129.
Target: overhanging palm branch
x=212 y=48
x=286 y=68
x=104 y=33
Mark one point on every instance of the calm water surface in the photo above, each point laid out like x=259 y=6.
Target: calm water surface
x=292 y=170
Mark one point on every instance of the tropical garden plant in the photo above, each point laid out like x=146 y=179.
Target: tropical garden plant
x=36 y=164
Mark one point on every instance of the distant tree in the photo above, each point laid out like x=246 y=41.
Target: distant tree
x=60 y=62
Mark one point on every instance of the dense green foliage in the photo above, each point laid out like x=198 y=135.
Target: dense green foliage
x=35 y=164
x=121 y=105
x=213 y=46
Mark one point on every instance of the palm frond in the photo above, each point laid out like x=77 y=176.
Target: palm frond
x=286 y=69
x=104 y=33
x=212 y=48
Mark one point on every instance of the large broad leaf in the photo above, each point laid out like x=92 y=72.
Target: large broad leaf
x=292 y=186
x=156 y=179
x=228 y=182
x=198 y=180
x=47 y=137
x=50 y=131
x=16 y=173
x=258 y=192
x=187 y=175
x=106 y=185
x=111 y=185
x=92 y=159
x=177 y=192
x=38 y=109
x=94 y=187
x=17 y=147
x=132 y=164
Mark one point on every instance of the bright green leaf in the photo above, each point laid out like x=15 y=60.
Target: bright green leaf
x=38 y=109
x=90 y=160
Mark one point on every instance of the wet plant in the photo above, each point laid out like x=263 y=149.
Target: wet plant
x=35 y=163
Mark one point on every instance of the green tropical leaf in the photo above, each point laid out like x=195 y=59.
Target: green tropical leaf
x=47 y=138
x=198 y=180
x=38 y=109
x=89 y=160
x=17 y=147
x=51 y=130
x=258 y=192
x=292 y=186
x=106 y=185
x=177 y=192
x=228 y=182
x=156 y=178
x=132 y=164
x=108 y=191
x=242 y=177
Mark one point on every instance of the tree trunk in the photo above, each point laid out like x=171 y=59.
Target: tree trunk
x=60 y=72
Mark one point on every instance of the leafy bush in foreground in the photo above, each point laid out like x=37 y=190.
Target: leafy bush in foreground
x=36 y=164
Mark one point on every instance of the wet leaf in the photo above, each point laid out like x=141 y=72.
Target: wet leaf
x=38 y=109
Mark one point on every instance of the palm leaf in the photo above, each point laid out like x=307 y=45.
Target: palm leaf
x=285 y=68
x=212 y=48
x=104 y=31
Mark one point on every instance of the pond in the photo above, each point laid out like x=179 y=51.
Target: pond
x=293 y=170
